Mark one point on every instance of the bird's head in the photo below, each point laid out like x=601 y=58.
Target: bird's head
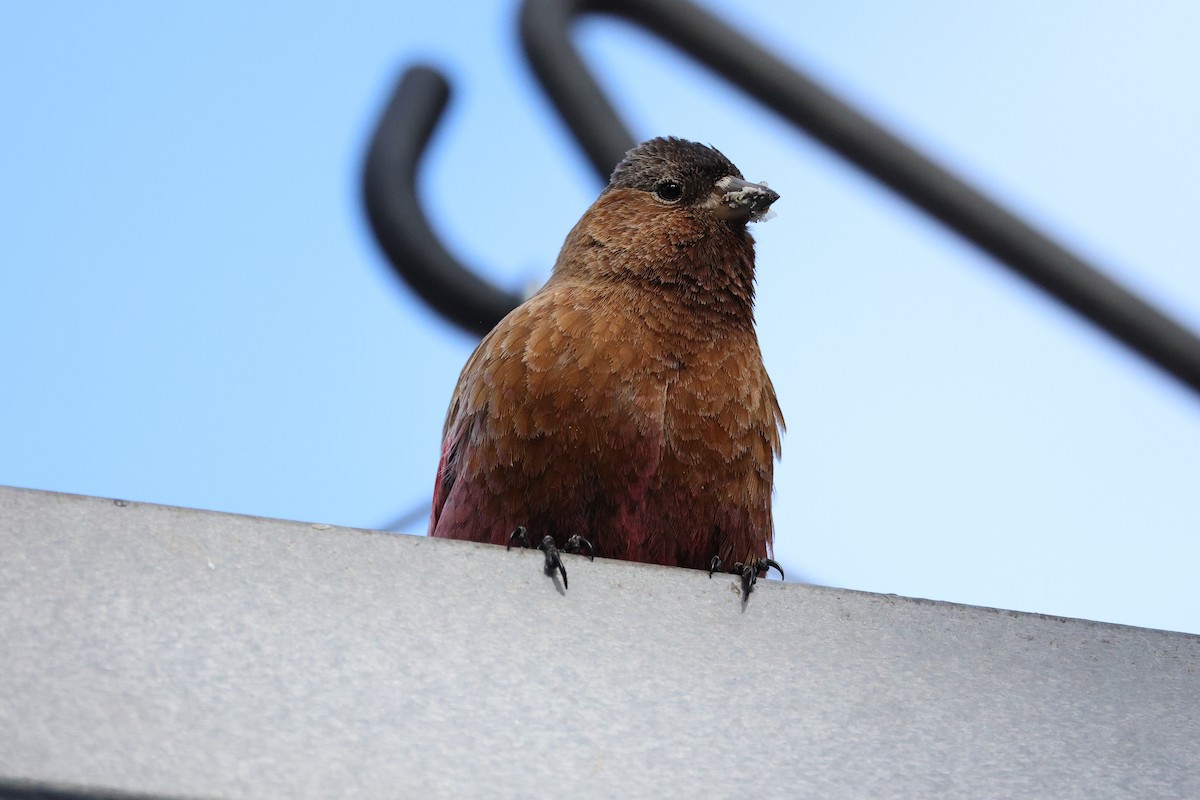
x=676 y=173
x=673 y=220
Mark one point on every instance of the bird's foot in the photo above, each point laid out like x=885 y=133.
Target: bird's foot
x=747 y=572
x=577 y=543
x=553 y=555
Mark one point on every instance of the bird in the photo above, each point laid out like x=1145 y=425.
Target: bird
x=625 y=404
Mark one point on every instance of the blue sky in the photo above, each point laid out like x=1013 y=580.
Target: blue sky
x=193 y=311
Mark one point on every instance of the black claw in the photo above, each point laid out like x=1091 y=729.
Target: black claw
x=518 y=535
x=770 y=562
x=749 y=578
x=577 y=543
x=749 y=572
x=553 y=559
x=714 y=565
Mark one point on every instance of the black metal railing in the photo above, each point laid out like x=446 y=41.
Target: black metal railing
x=475 y=305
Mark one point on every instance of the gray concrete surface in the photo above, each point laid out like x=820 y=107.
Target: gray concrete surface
x=179 y=653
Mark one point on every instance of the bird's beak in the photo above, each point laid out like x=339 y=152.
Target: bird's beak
x=736 y=199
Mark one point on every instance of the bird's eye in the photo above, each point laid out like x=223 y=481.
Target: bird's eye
x=668 y=191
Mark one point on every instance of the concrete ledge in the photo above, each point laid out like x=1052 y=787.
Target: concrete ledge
x=163 y=651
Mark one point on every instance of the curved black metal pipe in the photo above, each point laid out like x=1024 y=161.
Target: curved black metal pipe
x=545 y=34
x=400 y=225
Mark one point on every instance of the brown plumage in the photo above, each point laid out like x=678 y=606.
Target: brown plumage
x=627 y=400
